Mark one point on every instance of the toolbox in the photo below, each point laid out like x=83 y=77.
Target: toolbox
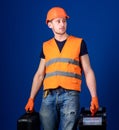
x=96 y=122
x=29 y=121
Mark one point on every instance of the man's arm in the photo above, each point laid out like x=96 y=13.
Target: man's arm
x=37 y=81
x=89 y=75
x=91 y=83
x=38 y=78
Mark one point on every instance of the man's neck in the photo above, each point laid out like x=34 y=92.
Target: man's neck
x=61 y=37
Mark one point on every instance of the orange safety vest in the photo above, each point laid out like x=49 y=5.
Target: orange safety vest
x=63 y=68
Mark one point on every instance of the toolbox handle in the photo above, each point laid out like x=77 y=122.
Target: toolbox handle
x=29 y=112
x=86 y=111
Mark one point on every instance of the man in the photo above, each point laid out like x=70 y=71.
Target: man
x=63 y=58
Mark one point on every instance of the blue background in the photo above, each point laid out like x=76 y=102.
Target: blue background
x=22 y=31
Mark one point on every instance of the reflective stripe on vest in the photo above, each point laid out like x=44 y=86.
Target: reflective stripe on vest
x=69 y=74
x=67 y=60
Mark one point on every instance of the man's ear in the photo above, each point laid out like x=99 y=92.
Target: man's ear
x=49 y=24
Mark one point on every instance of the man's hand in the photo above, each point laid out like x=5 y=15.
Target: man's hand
x=30 y=105
x=94 y=105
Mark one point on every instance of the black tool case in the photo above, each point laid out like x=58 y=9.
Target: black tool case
x=29 y=121
x=96 y=122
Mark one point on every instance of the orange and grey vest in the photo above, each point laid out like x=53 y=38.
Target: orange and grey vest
x=63 y=68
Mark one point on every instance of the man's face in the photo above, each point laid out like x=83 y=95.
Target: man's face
x=58 y=25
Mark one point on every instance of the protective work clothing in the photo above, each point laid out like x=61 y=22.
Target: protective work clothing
x=30 y=105
x=63 y=68
x=56 y=12
x=94 y=105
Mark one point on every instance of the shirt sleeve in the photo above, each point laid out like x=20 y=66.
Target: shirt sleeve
x=42 y=54
x=83 y=48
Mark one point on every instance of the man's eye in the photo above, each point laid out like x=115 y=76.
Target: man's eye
x=58 y=21
x=64 y=21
